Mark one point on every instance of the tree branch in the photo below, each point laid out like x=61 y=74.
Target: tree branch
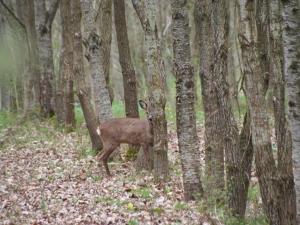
x=13 y=15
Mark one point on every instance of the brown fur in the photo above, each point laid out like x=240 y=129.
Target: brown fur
x=124 y=130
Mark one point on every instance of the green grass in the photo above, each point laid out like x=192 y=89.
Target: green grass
x=133 y=222
x=145 y=193
x=179 y=206
x=253 y=193
x=7 y=119
x=85 y=152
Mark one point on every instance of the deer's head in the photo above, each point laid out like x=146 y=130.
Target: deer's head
x=144 y=106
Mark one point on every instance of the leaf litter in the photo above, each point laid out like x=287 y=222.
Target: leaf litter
x=44 y=179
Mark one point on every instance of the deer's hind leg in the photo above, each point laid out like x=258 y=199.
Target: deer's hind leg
x=107 y=150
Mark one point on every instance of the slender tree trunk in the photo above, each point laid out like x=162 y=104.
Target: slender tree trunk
x=44 y=19
x=29 y=94
x=283 y=135
x=33 y=53
x=233 y=61
x=229 y=137
x=128 y=72
x=60 y=102
x=291 y=46
x=67 y=57
x=5 y=98
x=203 y=10
x=212 y=74
x=254 y=77
x=105 y=32
x=93 y=42
x=81 y=86
x=129 y=78
x=244 y=160
x=156 y=80
x=185 y=101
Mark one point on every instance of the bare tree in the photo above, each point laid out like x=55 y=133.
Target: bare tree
x=211 y=20
x=273 y=24
x=43 y=22
x=104 y=18
x=66 y=87
x=32 y=86
x=291 y=46
x=81 y=86
x=202 y=19
x=156 y=80
x=92 y=42
x=185 y=101
x=129 y=78
x=252 y=43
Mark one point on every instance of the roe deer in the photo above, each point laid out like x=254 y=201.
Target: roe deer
x=125 y=130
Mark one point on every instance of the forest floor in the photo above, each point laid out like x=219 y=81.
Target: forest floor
x=50 y=177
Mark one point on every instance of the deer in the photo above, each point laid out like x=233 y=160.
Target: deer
x=133 y=131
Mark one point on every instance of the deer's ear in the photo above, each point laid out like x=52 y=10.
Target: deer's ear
x=143 y=104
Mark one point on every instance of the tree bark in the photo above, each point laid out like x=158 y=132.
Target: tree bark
x=260 y=131
x=129 y=78
x=156 y=79
x=81 y=86
x=283 y=134
x=185 y=101
x=33 y=52
x=93 y=42
x=30 y=99
x=44 y=19
x=105 y=34
x=291 y=46
x=67 y=67
x=210 y=25
x=60 y=94
x=215 y=175
x=128 y=72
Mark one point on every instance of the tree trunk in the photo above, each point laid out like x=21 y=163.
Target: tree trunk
x=81 y=87
x=129 y=78
x=33 y=52
x=60 y=102
x=30 y=100
x=185 y=101
x=5 y=98
x=105 y=31
x=93 y=42
x=234 y=69
x=214 y=151
x=128 y=72
x=283 y=135
x=44 y=19
x=67 y=67
x=260 y=131
x=202 y=14
x=244 y=158
x=291 y=46
x=156 y=80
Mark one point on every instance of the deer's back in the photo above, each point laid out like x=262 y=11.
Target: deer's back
x=126 y=130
